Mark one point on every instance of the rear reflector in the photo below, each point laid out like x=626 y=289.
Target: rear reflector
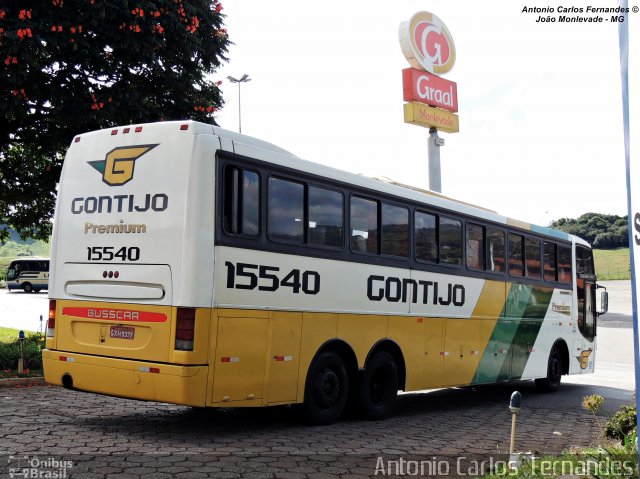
x=185 y=329
x=51 y=322
x=146 y=369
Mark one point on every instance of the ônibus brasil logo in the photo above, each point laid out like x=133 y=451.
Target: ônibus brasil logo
x=118 y=165
x=427 y=43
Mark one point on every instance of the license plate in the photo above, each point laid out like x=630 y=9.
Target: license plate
x=121 y=332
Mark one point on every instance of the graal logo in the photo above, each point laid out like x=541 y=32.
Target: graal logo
x=117 y=167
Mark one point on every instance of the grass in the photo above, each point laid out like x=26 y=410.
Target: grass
x=8 y=335
x=612 y=263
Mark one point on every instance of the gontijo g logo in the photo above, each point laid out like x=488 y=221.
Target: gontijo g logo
x=118 y=165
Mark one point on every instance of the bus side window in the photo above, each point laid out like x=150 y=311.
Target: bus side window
x=475 y=247
x=325 y=217
x=395 y=230
x=564 y=264
x=532 y=257
x=426 y=234
x=450 y=241
x=516 y=255
x=364 y=225
x=241 y=208
x=495 y=250
x=286 y=210
x=550 y=262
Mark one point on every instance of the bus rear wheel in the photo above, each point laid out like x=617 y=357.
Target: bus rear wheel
x=378 y=387
x=326 y=389
x=554 y=373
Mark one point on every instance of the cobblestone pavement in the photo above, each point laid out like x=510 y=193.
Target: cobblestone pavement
x=83 y=435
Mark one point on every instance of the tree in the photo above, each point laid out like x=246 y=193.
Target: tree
x=71 y=66
x=602 y=231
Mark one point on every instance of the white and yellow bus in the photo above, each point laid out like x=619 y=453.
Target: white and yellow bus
x=197 y=266
x=29 y=273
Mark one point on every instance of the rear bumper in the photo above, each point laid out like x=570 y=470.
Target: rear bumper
x=186 y=385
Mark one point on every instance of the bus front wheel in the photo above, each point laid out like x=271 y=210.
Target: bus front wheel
x=326 y=389
x=554 y=373
x=378 y=387
x=27 y=287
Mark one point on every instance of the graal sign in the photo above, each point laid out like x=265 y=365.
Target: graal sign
x=427 y=43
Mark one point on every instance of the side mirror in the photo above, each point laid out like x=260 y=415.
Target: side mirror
x=604 y=302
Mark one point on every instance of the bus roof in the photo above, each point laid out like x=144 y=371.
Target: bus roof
x=391 y=187
x=259 y=149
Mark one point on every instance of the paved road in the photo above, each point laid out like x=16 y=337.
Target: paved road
x=22 y=310
x=103 y=436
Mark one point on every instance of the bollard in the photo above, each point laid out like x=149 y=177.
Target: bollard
x=21 y=360
x=514 y=407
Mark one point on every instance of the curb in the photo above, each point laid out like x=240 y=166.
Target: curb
x=11 y=382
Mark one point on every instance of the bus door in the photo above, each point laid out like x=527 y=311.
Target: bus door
x=584 y=347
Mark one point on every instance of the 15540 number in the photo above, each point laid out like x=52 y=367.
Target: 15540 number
x=109 y=253
x=267 y=278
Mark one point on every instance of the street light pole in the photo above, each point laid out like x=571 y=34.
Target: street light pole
x=243 y=79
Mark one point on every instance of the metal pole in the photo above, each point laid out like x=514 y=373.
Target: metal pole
x=239 y=111
x=244 y=78
x=513 y=434
x=435 y=142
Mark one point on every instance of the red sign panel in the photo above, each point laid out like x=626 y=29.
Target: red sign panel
x=115 y=314
x=430 y=89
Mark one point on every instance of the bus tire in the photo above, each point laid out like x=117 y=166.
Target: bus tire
x=27 y=287
x=378 y=387
x=554 y=373
x=326 y=389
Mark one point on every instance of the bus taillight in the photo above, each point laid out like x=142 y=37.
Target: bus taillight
x=185 y=328
x=51 y=323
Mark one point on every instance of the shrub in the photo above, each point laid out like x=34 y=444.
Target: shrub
x=32 y=348
x=622 y=423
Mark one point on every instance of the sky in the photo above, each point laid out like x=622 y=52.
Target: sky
x=540 y=104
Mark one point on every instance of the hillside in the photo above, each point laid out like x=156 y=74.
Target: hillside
x=16 y=247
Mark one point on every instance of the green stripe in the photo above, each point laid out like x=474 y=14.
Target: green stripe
x=514 y=334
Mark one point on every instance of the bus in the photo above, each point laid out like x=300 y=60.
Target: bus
x=29 y=273
x=197 y=266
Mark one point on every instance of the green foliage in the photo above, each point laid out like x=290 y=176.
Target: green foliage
x=16 y=247
x=600 y=230
x=71 y=66
x=32 y=347
x=622 y=424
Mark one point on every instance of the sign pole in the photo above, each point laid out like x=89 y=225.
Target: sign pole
x=431 y=101
x=435 y=142
x=632 y=170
